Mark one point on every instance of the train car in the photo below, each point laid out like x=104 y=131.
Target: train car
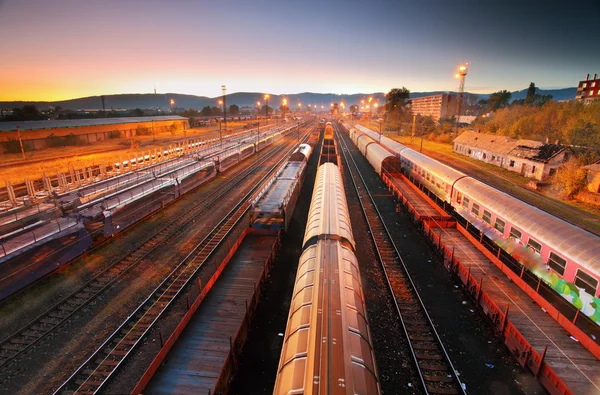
x=563 y=255
x=301 y=154
x=327 y=345
x=569 y=251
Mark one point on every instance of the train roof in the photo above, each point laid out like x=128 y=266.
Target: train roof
x=440 y=170
x=332 y=261
x=328 y=216
x=568 y=240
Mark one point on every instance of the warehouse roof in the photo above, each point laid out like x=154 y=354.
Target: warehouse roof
x=493 y=142
x=77 y=123
x=528 y=149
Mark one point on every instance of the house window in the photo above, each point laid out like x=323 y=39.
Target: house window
x=500 y=225
x=557 y=263
x=515 y=233
x=552 y=172
x=493 y=157
x=537 y=247
x=475 y=209
x=484 y=155
x=512 y=163
x=465 y=203
x=469 y=151
x=487 y=216
x=587 y=282
x=533 y=169
x=593 y=84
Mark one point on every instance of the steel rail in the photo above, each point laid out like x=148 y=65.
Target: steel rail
x=44 y=324
x=95 y=372
x=436 y=372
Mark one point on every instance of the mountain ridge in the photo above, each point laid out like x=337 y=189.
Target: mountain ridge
x=242 y=99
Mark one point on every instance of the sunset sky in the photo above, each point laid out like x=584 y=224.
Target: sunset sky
x=62 y=49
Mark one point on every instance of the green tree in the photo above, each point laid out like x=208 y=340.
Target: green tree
x=498 y=100
x=216 y=111
x=136 y=113
x=396 y=99
x=234 y=109
x=530 y=98
x=354 y=108
x=28 y=112
x=206 y=111
x=190 y=112
x=570 y=177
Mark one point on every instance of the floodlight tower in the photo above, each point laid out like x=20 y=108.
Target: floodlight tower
x=461 y=74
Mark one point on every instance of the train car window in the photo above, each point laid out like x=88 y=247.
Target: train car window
x=537 y=247
x=475 y=209
x=500 y=224
x=458 y=197
x=487 y=216
x=587 y=282
x=515 y=233
x=466 y=203
x=557 y=263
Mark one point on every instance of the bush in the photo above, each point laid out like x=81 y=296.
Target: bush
x=141 y=131
x=115 y=134
x=53 y=141
x=11 y=146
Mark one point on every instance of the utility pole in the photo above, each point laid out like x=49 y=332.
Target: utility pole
x=224 y=89
x=414 y=125
x=462 y=73
x=257 y=134
x=20 y=142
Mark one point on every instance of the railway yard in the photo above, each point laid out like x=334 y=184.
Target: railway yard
x=304 y=258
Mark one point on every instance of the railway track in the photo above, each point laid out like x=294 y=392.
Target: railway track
x=105 y=361
x=49 y=321
x=434 y=367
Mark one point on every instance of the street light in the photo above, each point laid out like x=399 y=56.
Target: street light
x=224 y=89
x=462 y=73
x=267 y=107
x=220 y=131
x=171 y=102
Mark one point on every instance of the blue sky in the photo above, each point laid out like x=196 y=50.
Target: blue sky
x=62 y=49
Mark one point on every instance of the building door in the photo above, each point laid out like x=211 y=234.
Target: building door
x=523 y=169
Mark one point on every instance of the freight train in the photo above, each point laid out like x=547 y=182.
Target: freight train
x=564 y=256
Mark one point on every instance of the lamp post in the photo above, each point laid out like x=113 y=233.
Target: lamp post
x=171 y=102
x=461 y=74
x=224 y=89
x=257 y=108
x=267 y=106
x=220 y=124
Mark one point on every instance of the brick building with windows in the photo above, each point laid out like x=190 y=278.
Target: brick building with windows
x=588 y=90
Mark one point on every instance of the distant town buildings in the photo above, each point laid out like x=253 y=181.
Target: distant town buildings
x=435 y=106
x=588 y=90
x=530 y=158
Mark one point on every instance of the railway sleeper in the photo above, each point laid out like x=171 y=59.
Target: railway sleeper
x=32 y=334
x=58 y=314
x=426 y=346
x=421 y=338
x=67 y=307
x=432 y=366
x=433 y=357
x=442 y=390
x=440 y=378
x=21 y=340
x=12 y=347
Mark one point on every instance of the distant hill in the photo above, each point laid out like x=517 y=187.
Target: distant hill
x=242 y=99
